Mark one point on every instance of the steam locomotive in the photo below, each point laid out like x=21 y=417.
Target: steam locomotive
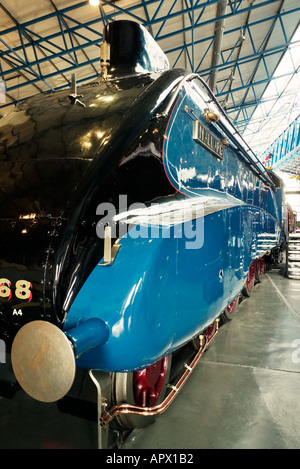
x=132 y=217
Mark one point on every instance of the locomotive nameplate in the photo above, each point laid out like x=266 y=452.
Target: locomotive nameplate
x=207 y=139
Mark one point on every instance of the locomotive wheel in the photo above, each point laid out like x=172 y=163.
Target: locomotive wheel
x=259 y=269
x=144 y=388
x=248 y=287
x=210 y=331
x=228 y=313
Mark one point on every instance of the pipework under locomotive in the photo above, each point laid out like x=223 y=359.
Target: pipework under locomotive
x=132 y=217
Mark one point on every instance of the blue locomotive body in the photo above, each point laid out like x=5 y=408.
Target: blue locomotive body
x=174 y=275
x=159 y=294
x=159 y=211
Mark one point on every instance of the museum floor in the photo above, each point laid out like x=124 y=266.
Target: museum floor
x=244 y=393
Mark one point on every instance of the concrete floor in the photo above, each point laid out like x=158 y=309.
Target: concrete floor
x=243 y=394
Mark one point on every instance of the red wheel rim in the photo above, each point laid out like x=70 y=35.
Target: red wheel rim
x=148 y=383
x=251 y=276
x=231 y=307
x=210 y=330
x=260 y=267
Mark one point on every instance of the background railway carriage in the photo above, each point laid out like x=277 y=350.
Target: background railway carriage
x=132 y=218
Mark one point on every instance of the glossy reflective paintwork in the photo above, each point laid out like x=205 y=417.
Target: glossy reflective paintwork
x=159 y=294
x=133 y=136
x=133 y=50
x=58 y=162
x=194 y=170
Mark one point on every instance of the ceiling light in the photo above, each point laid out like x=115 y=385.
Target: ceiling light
x=95 y=3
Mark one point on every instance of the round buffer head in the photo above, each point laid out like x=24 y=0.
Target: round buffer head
x=43 y=361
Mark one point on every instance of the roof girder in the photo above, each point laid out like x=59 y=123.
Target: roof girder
x=41 y=59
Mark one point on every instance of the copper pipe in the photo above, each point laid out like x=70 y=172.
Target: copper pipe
x=108 y=415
